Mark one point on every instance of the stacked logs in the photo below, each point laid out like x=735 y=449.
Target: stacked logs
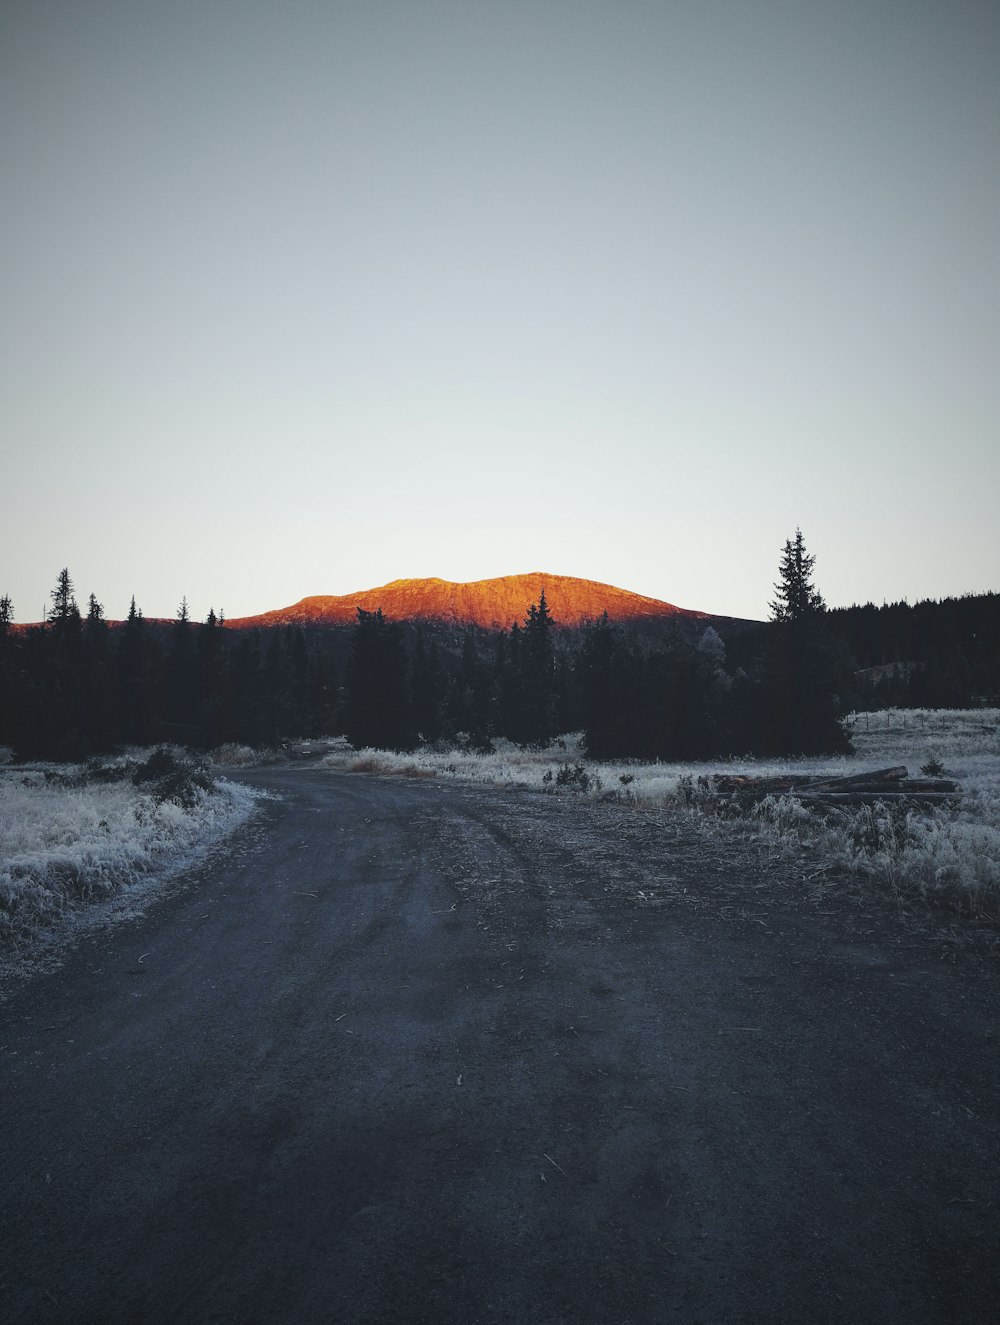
x=883 y=784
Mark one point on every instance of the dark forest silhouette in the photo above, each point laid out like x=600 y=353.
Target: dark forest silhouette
x=76 y=685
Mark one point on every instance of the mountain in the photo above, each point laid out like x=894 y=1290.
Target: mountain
x=487 y=603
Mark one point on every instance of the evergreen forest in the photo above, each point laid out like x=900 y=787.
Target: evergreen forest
x=78 y=685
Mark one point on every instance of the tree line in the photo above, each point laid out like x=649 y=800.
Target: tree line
x=76 y=685
x=942 y=654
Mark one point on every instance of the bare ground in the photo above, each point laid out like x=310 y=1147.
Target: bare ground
x=420 y=1053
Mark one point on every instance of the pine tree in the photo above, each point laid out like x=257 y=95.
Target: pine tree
x=183 y=700
x=535 y=719
x=603 y=728
x=211 y=681
x=472 y=700
x=134 y=667
x=379 y=710
x=712 y=646
x=95 y=613
x=98 y=713
x=428 y=685
x=807 y=675
x=796 y=595
x=8 y=678
x=64 y=613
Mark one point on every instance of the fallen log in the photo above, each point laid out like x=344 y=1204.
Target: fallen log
x=731 y=782
x=847 y=798
x=875 y=788
x=878 y=777
x=930 y=784
x=744 y=782
x=889 y=784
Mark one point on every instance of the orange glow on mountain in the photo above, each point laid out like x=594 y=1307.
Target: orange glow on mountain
x=489 y=603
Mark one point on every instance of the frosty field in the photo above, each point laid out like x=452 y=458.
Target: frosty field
x=946 y=855
x=71 y=834
x=68 y=836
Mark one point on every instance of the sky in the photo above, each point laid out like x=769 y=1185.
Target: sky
x=300 y=298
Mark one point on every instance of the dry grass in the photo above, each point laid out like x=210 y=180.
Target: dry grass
x=945 y=855
x=73 y=834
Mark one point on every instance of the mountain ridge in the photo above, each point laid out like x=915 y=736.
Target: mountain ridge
x=492 y=603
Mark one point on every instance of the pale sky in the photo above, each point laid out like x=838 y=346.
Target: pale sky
x=299 y=298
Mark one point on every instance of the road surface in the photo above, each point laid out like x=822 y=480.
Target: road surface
x=412 y=1052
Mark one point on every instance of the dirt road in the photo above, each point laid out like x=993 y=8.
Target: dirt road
x=410 y=1053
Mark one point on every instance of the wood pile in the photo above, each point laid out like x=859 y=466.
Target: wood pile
x=883 y=784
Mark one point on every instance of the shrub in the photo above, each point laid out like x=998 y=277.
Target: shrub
x=574 y=777
x=171 y=775
x=71 y=839
x=234 y=755
x=108 y=770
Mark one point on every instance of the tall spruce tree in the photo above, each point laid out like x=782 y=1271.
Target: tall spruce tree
x=211 y=680
x=796 y=595
x=135 y=683
x=96 y=624
x=8 y=678
x=98 y=694
x=532 y=656
x=64 y=614
x=182 y=690
x=807 y=673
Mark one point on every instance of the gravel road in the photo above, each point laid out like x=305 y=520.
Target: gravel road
x=413 y=1052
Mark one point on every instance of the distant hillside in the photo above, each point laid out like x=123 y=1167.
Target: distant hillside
x=487 y=603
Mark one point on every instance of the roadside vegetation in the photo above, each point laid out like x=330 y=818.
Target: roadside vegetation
x=77 y=833
x=941 y=855
x=656 y=717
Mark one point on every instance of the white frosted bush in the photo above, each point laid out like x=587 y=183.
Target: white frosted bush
x=62 y=844
x=234 y=755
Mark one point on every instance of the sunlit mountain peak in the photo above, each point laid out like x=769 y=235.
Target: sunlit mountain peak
x=488 y=603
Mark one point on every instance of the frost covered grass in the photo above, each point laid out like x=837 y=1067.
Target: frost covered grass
x=507 y=765
x=234 y=755
x=563 y=766
x=944 y=854
x=71 y=834
x=949 y=855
